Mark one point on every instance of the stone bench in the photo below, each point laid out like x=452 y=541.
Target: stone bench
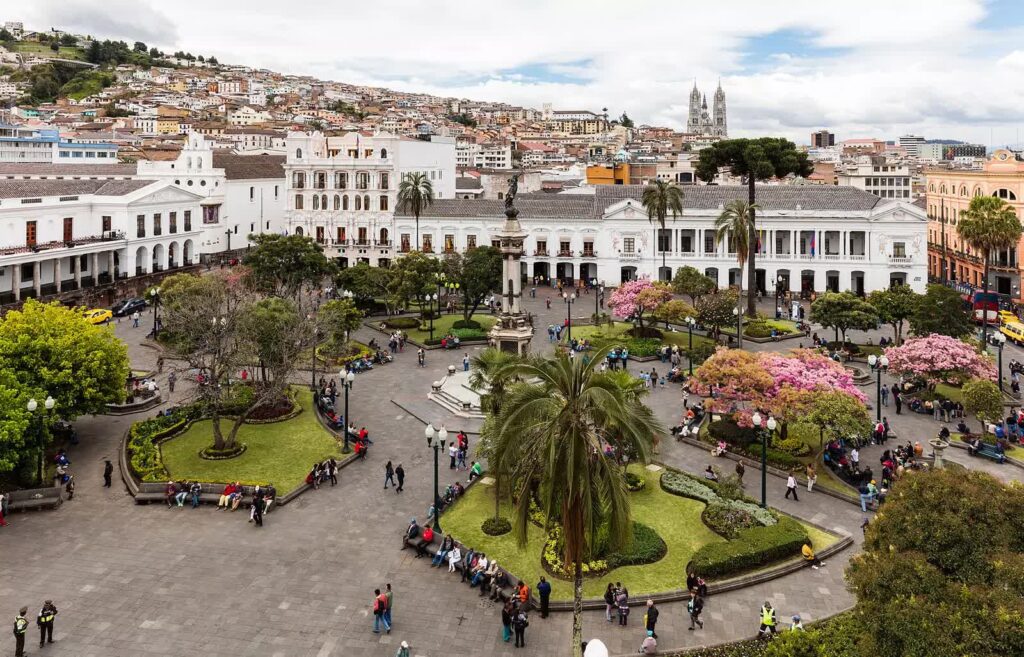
x=505 y=592
x=34 y=498
x=155 y=492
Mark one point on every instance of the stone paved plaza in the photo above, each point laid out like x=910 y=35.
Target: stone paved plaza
x=146 y=580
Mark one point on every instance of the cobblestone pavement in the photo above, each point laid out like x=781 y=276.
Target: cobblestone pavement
x=146 y=580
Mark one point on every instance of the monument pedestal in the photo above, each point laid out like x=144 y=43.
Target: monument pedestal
x=512 y=335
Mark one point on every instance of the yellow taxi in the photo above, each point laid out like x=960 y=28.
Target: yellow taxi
x=1007 y=317
x=1014 y=332
x=98 y=316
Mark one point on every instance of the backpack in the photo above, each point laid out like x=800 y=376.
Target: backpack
x=521 y=622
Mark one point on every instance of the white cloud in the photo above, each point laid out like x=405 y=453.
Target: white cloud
x=887 y=67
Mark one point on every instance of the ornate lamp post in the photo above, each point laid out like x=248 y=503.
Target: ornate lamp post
x=347 y=379
x=432 y=298
x=770 y=426
x=597 y=297
x=569 y=299
x=32 y=406
x=442 y=437
x=154 y=294
x=739 y=327
x=690 y=322
x=879 y=365
x=1000 y=340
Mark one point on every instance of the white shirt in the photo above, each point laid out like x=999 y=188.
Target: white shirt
x=854 y=455
x=791 y=482
x=453 y=450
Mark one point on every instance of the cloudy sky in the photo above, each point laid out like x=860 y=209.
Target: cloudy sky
x=949 y=68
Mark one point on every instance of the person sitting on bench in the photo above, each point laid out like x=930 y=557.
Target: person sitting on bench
x=428 y=538
x=411 y=533
x=475 y=470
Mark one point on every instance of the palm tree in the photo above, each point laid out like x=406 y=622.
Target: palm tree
x=415 y=194
x=491 y=375
x=661 y=198
x=989 y=224
x=735 y=225
x=551 y=433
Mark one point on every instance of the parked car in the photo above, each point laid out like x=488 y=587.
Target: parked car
x=98 y=315
x=126 y=307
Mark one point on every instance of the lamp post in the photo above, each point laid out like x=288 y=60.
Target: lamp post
x=432 y=298
x=347 y=379
x=778 y=291
x=878 y=365
x=690 y=322
x=597 y=297
x=442 y=437
x=739 y=327
x=316 y=342
x=569 y=299
x=32 y=406
x=770 y=425
x=1000 y=340
x=154 y=294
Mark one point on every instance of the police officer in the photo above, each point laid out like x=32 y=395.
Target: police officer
x=45 y=622
x=767 y=619
x=20 y=627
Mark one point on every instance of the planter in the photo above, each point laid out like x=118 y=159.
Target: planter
x=211 y=454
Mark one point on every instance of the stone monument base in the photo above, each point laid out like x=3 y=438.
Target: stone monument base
x=512 y=337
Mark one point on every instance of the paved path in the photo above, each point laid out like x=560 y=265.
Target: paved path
x=133 y=580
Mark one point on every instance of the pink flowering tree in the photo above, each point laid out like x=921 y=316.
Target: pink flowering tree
x=634 y=298
x=809 y=370
x=940 y=358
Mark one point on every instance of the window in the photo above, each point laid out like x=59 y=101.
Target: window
x=105 y=223
x=470 y=241
x=362 y=180
x=157 y=226
x=384 y=203
x=496 y=244
x=384 y=156
x=563 y=247
x=628 y=244
x=359 y=202
x=542 y=247
x=899 y=250
x=341 y=180
x=428 y=243
x=298 y=153
x=1005 y=194
x=361 y=235
x=341 y=234
x=30 y=233
x=252 y=194
x=316 y=201
x=709 y=241
x=298 y=202
x=449 y=243
x=299 y=180
x=588 y=248
x=320 y=180
x=211 y=214
x=384 y=181
x=664 y=240
x=320 y=234
x=337 y=202
x=188 y=220
x=404 y=237
x=344 y=202
x=298 y=230
x=275 y=192
x=140 y=225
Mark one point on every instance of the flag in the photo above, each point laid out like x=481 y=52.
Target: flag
x=812 y=245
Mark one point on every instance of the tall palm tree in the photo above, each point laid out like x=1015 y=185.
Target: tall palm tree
x=989 y=224
x=551 y=433
x=735 y=226
x=661 y=198
x=415 y=194
x=492 y=375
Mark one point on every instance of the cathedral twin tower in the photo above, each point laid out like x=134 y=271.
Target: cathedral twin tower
x=699 y=121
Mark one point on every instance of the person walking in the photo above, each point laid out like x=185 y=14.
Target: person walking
x=465 y=363
x=172 y=378
x=108 y=470
x=695 y=606
x=768 y=620
x=739 y=471
x=332 y=471
x=389 y=595
x=45 y=622
x=453 y=453
x=622 y=603
x=897 y=399
x=403 y=650
x=791 y=487
x=379 y=605
x=421 y=357
x=519 y=625
x=20 y=628
x=257 y=508
x=812 y=477
x=651 y=618
x=544 y=591
x=400 y=474
x=135 y=319
x=389 y=475
x=885 y=395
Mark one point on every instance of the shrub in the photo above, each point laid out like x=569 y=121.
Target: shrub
x=757 y=329
x=647 y=332
x=469 y=334
x=731 y=433
x=552 y=556
x=680 y=484
x=751 y=549
x=727 y=520
x=646 y=547
x=792 y=446
x=635 y=482
x=143 y=454
x=850 y=347
x=402 y=323
x=496 y=526
x=467 y=324
x=701 y=352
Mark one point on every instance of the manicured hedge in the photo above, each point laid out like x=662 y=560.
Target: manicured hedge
x=144 y=455
x=402 y=323
x=752 y=549
x=744 y=440
x=757 y=329
x=647 y=547
x=467 y=324
x=727 y=520
x=496 y=526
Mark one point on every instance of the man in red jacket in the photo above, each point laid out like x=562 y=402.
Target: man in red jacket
x=225 y=497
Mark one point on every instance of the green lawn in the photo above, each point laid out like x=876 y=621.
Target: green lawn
x=676 y=519
x=950 y=392
x=443 y=325
x=280 y=452
x=33 y=48
x=603 y=334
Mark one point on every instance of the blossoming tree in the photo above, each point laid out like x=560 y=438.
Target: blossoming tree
x=940 y=358
x=634 y=298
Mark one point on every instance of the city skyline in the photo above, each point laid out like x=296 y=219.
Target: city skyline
x=798 y=70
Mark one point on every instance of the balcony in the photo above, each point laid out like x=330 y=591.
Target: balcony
x=629 y=256
x=688 y=254
x=900 y=260
x=565 y=254
x=540 y=252
x=108 y=236
x=831 y=256
x=585 y=253
x=384 y=243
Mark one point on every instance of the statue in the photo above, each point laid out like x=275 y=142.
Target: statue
x=513 y=189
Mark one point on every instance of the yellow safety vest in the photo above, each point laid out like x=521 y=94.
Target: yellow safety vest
x=20 y=625
x=46 y=617
x=767 y=616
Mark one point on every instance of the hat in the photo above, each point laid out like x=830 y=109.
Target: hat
x=405 y=644
x=412 y=520
x=872 y=481
x=796 y=617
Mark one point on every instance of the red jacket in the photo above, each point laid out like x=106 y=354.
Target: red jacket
x=230 y=488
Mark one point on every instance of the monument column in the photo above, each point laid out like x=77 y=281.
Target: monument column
x=514 y=329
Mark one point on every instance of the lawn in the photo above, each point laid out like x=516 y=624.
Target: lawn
x=280 y=452
x=676 y=519
x=950 y=392
x=443 y=324
x=603 y=334
x=33 y=48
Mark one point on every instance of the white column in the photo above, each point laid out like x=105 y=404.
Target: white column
x=37 y=279
x=77 y=266
x=110 y=264
x=16 y=284
x=56 y=274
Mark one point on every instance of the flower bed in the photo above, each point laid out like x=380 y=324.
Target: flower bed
x=646 y=547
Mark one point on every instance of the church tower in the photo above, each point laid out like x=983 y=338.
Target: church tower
x=721 y=127
x=693 y=119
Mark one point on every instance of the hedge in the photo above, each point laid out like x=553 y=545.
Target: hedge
x=402 y=323
x=144 y=455
x=751 y=549
x=467 y=324
x=727 y=521
x=743 y=440
x=647 y=547
x=496 y=526
x=757 y=329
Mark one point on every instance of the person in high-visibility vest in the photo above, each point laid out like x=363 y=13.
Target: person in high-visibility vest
x=20 y=627
x=45 y=622
x=768 y=620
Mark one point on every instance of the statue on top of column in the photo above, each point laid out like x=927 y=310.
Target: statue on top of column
x=513 y=189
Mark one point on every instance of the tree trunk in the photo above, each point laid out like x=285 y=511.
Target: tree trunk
x=417 y=231
x=984 y=312
x=497 y=495
x=751 y=251
x=233 y=434
x=577 y=610
x=218 y=436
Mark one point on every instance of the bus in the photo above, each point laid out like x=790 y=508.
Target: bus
x=985 y=307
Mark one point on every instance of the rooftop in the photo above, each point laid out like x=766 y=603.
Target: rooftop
x=249 y=167
x=42 y=188
x=44 y=169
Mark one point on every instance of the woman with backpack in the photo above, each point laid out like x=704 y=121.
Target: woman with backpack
x=622 y=602
x=519 y=625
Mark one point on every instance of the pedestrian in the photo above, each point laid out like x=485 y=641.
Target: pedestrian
x=159 y=364
x=135 y=319
x=379 y=605
x=461 y=464
x=400 y=474
x=622 y=603
x=403 y=650
x=507 y=612
x=20 y=627
x=609 y=602
x=389 y=475
x=897 y=400
x=651 y=618
x=465 y=363
x=332 y=471
x=812 y=476
x=108 y=469
x=519 y=625
x=3 y=504
x=69 y=487
x=544 y=591
x=768 y=620
x=453 y=453
x=791 y=487
x=885 y=395
x=739 y=471
x=695 y=606
x=171 y=379
x=421 y=357
x=855 y=457
x=390 y=596
x=45 y=622
x=258 y=506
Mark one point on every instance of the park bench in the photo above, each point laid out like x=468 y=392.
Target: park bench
x=35 y=498
x=988 y=451
x=154 y=492
x=505 y=592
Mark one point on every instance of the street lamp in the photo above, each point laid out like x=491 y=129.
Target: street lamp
x=154 y=294
x=778 y=290
x=347 y=379
x=770 y=425
x=569 y=300
x=438 y=446
x=32 y=405
x=878 y=365
x=597 y=297
x=739 y=327
x=1000 y=340
x=432 y=298
x=690 y=322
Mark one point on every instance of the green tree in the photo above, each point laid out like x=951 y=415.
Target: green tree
x=14 y=422
x=894 y=306
x=692 y=283
x=367 y=283
x=661 y=199
x=415 y=194
x=837 y=415
x=753 y=159
x=416 y=274
x=675 y=311
x=843 y=311
x=989 y=224
x=55 y=46
x=551 y=432
x=212 y=60
x=5 y=35
x=491 y=375
x=940 y=310
x=337 y=320
x=735 y=227
x=625 y=121
x=269 y=328
x=715 y=310
x=984 y=399
x=478 y=274
x=286 y=265
x=155 y=53
x=139 y=47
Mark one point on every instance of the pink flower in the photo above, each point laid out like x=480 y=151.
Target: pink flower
x=940 y=358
